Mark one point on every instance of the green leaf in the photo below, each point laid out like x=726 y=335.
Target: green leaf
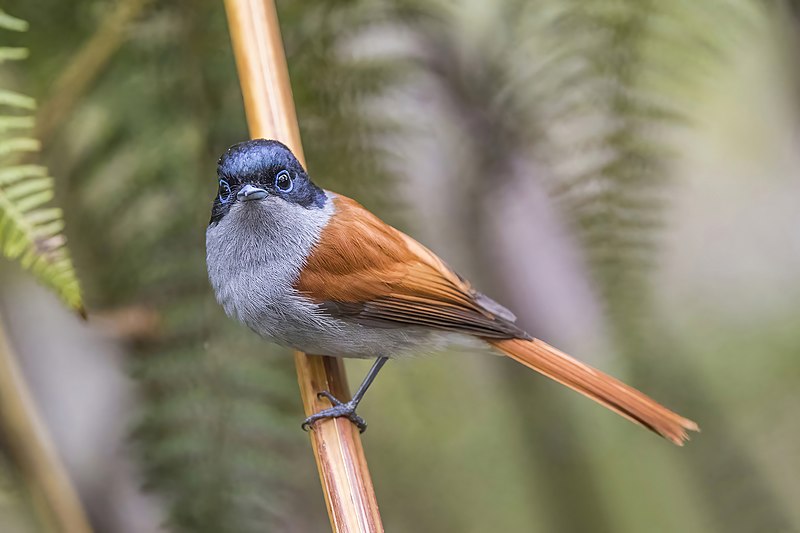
x=8 y=53
x=14 y=99
x=30 y=231
x=7 y=22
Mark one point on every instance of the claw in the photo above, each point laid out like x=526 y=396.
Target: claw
x=339 y=410
x=331 y=398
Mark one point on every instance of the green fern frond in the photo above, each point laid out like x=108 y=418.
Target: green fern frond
x=634 y=61
x=30 y=231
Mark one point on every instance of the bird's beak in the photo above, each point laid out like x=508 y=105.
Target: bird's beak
x=248 y=192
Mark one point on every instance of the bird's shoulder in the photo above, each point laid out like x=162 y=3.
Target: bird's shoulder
x=360 y=257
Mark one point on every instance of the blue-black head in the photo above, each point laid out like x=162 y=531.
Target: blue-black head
x=253 y=170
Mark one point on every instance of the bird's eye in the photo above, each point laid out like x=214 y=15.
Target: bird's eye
x=224 y=192
x=283 y=182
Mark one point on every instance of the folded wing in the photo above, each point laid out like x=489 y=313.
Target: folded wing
x=367 y=271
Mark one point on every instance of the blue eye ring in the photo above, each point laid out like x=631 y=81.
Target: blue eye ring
x=224 y=192
x=281 y=180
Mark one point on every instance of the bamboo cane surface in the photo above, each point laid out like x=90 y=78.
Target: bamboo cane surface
x=264 y=78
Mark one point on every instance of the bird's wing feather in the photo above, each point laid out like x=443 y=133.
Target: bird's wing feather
x=366 y=271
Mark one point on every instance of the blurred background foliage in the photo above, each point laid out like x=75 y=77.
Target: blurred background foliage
x=624 y=174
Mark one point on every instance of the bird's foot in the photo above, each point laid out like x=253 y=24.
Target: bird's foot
x=339 y=410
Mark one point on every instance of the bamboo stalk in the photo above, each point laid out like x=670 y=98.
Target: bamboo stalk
x=29 y=442
x=263 y=74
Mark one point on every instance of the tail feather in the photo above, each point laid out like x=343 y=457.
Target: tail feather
x=598 y=386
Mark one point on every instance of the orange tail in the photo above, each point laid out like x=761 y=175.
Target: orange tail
x=598 y=386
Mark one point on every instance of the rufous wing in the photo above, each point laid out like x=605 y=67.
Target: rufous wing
x=365 y=270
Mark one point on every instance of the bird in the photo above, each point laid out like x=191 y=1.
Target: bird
x=313 y=270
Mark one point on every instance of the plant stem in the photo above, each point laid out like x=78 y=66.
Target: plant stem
x=33 y=450
x=264 y=77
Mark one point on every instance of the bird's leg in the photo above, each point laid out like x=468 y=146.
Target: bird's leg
x=348 y=409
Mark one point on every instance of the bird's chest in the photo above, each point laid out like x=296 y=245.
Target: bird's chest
x=257 y=288
x=254 y=259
